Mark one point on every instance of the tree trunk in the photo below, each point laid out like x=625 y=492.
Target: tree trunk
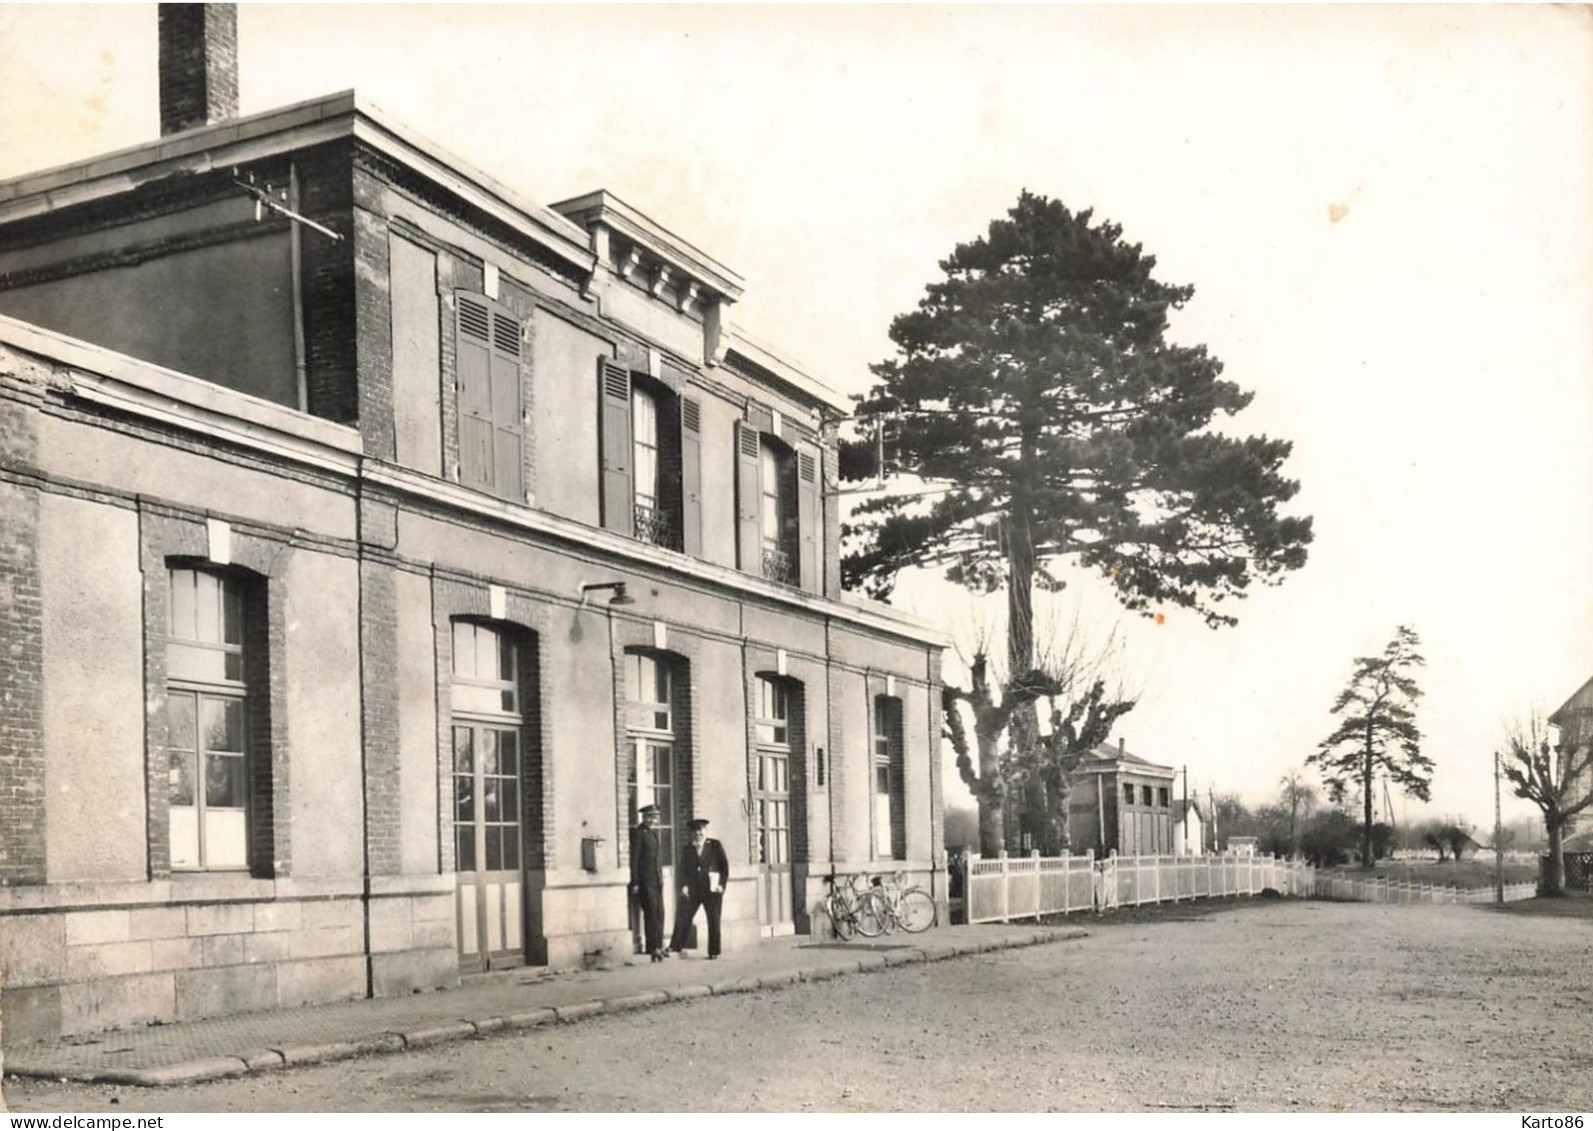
x=1554 y=879
x=1023 y=729
x=1366 y=802
x=992 y=818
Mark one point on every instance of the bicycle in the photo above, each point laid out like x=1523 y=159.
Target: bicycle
x=911 y=908
x=852 y=909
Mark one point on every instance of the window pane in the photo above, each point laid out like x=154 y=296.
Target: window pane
x=490 y=800
x=781 y=702
x=464 y=748
x=882 y=780
x=224 y=781
x=206 y=665
x=489 y=751
x=511 y=798
x=234 y=666
x=494 y=849
x=472 y=697
x=232 y=613
x=180 y=721
x=184 y=836
x=781 y=736
x=661 y=682
x=465 y=841
x=207 y=607
x=222 y=720
x=662 y=767
x=181 y=612
x=486 y=653
x=226 y=838
x=464 y=798
x=765 y=733
x=464 y=649
x=508 y=753
x=506 y=665
x=511 y=849
x=180 y=775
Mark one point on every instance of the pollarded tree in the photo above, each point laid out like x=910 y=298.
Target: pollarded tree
x=1555 y=778
x=1377 y=731
x=1043 y=418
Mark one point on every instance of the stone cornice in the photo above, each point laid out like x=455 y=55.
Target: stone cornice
x=604 y=208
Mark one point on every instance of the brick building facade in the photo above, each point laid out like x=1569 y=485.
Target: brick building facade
x=380 y=541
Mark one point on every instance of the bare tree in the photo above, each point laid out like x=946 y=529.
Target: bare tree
x=1083 y=697
x=1554 y=777
x=1298 y=797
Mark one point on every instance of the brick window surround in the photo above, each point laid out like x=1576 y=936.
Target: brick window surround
x=170 y=539
x=525 y=621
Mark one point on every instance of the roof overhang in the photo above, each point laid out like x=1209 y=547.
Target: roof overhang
x=284 y=131
x=604 y=208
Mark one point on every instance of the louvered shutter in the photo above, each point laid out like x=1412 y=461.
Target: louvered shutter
x=749 y=500
x=614 y=434
x=508 y=427
x=473 y=369
x=808 y=513
x=691 y=476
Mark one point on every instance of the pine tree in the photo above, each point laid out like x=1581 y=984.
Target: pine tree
x=1377 y=731
x=1044 y=419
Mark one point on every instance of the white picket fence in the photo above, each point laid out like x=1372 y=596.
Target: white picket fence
x=1336 y=885
x=1023 y=887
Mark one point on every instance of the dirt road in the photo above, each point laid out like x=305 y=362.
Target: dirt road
x=1270 y=1006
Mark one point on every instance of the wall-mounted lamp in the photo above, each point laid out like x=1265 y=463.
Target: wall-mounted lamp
x=620 y=596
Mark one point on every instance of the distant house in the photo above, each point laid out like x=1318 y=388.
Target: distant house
x=1189 y=828
x=1574 y=717
x=1243 y=845
x=1121 y=803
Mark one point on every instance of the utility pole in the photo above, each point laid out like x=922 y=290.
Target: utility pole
x=1186 y=810
x=1498 y=837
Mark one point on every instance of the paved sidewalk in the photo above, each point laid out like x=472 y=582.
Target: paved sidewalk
x=516 y=999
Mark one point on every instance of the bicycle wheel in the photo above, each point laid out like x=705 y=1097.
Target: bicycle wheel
x=873 y=915
x=841 y=918
x=916 y=910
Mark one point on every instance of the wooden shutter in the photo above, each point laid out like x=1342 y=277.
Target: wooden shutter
x=809 y=537
x=691 y=476
x=749 y=501
x=488 y=353
x=473 y=350
x=508 y=421
x=614 y=435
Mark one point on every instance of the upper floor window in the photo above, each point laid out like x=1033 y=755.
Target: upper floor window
x=778 y=511
x=1128 y=793
x=489 y=368
x=1145 y=795
x=1162 y=797
x=207 y=713
x=652 y=463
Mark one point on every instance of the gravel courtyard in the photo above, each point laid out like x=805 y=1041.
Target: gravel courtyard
x=1259 y=1006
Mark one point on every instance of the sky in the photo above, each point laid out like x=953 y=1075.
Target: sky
x=1386 y=213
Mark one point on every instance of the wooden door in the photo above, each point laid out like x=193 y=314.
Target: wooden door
x=773 y=801
x=489 y=841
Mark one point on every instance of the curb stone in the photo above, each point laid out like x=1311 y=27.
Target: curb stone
x=422 y=1036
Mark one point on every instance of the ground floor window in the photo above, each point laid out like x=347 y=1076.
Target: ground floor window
x=207 y=706
x=890 y=815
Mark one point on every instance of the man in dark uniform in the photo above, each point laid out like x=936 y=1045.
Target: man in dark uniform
x=647 y=881
x=704 y=871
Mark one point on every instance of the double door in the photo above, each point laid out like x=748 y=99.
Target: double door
x=489 y=842
x=772 y=801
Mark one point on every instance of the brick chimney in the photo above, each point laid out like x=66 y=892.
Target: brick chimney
x=198 y=65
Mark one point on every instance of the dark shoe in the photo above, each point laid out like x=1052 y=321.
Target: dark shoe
x=711 y=957
x=657 y=956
